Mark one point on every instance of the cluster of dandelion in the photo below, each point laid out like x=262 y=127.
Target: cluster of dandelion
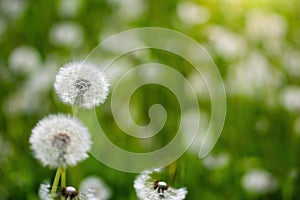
x=60 y=140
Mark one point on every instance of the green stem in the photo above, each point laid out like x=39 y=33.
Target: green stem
x=75 y=110
x=63 y=178
x=55 y=182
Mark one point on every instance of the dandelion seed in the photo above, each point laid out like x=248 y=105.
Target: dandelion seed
x=94 y=188
x=149 y=189
x=60 y=141
x=81 y=84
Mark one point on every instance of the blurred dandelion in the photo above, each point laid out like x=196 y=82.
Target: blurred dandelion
x=69 y=8
x=148 y=188
x=94 y=188
x=13 y=9
x=31 y=97
x=191 y=13
x=81 y=84
x=60 y=141
x=259 y=181
x=66 y=34
x=269 y=28
x=129 y=9
x=227 y=44
x=253 y=77
x=217 y=161
x=289 y=97
x=291 y=62
x=262 y=25
x=24 y=60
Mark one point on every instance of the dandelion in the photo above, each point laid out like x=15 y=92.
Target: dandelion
x=268 y=28
x=228 y=44
x=192 y=13
x=60 y=140
x=150 y=189
x=44 y=191
x=218 y=161
x=66 y=34
x=67 y=193
x=259 y=181
x=129 y=9
x=81 y=84
x=24 y=60
x=253 y=77
x=12 y=9
x=289 y=97
x=94 y=188
x=69 y=8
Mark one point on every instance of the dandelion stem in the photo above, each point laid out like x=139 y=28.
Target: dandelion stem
x=75 y=110
x=55 y=182
x=63 y=178
x=172 y=172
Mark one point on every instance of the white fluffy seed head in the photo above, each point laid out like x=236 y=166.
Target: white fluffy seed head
x=145 y=190
x=44 y=191
x=69 y=192
x=94 y=188
x=60 y=140
x=81 y=84
x=259 y=181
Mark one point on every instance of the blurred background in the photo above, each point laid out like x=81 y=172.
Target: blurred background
x=255 y=45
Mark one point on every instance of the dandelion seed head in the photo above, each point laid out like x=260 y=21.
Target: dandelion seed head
x=129 y=9
x=259 y=181
x=81 y=84
x=68 y=192
x=94 y=188
x=253 y=77
x=192 y=13
x=24 y=60
x=60 y=140
x=228 y=44
x=148 y=189
x=217 y=161
x=66 y=34
x=291 y=62
x=289 y=97
x=44 y=191
x=13 y=9
x=69 y=8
